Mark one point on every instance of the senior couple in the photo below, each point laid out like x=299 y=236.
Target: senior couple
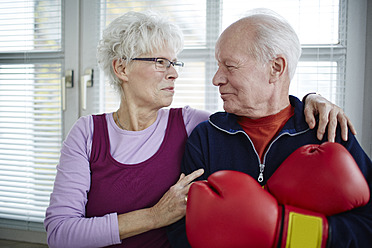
x=121 y=180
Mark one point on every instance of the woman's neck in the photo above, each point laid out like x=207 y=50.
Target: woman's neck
x=132 y=118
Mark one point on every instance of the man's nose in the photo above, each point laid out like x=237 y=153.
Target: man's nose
x=219 y=78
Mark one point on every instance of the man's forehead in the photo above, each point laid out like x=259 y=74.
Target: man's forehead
x=233 y=43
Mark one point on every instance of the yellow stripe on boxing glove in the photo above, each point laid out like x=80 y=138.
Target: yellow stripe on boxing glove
x=303 y=229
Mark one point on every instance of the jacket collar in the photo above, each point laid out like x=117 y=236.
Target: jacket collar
x=228 y=122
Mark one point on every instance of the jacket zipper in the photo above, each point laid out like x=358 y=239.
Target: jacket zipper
x=260 y=177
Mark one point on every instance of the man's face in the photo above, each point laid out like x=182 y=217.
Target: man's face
x=243 y=82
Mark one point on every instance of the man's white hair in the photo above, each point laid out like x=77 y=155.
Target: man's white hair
x=273 y=36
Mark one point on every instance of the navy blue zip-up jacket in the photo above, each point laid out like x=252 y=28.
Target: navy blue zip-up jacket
x=221 y=144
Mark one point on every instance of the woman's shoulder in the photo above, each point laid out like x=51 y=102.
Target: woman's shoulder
x=82 y=130
x=190 y=114
x=192 y=117
x=84 y=123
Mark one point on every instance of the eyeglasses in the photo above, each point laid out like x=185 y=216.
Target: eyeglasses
x=161 y=64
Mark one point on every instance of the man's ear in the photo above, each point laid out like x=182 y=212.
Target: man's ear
x=120 y=69
x=278 y=67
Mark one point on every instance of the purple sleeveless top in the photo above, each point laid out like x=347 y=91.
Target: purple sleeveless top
x=121 y=188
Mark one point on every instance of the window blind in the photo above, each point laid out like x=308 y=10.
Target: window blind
x=30 y=109
x=321 y=26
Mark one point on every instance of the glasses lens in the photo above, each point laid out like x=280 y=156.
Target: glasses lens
x=178 y=65
x=161 y=64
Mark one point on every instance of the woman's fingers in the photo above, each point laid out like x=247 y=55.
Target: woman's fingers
x=172 y=206
x=186 y=180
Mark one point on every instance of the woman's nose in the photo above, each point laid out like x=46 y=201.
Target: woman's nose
x=172 y=72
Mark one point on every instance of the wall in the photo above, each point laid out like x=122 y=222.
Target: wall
x=358 y=77
x=367 y=113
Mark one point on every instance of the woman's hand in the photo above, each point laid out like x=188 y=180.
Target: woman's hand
x=172 y=206
x=329 y=114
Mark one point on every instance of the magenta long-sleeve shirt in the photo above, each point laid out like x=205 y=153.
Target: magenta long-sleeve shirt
x=65 y=220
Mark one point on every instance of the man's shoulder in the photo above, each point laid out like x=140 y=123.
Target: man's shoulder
x=222 y=117
x=215 y=119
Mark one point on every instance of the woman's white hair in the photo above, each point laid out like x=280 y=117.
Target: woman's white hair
x=273 y=36
x=134 y=34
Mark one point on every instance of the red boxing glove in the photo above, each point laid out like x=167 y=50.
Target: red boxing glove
x=322 y=178
x=231 y=210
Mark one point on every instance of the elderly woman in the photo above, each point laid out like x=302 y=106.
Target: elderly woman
x=118 y=179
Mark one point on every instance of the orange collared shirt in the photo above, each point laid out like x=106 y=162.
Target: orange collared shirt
x=263 y=130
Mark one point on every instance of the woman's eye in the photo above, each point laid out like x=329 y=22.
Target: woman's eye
x=161 y=61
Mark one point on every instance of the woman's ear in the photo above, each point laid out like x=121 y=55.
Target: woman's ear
x=278 y=67
x=119 y=67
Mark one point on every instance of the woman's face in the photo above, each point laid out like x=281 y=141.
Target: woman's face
x=147 y=87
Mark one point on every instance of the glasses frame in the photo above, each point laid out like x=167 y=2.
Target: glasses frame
x=160 y=67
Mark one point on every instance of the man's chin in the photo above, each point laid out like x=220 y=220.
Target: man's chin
x=228 y=108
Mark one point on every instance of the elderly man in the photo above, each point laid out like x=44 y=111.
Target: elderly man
x=262 y=126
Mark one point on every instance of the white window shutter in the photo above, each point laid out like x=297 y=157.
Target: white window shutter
x=30 y=109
